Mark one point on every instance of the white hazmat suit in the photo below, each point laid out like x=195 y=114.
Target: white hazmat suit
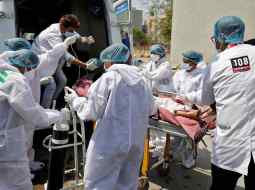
x=121 y=103
x=17 y=108
x=159 y=75
x=186 y=82
x=46 y=41
x=229 y=81
x=47 y=67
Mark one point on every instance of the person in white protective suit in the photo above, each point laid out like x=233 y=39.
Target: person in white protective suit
x=48 y=63
x=120 y=102
x=158 y=70
x=55 y=34
x=186 y=80
x=17 y=108
x=229 y=81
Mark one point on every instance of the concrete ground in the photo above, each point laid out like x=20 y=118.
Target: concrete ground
x=179 y=178
x=198 y=178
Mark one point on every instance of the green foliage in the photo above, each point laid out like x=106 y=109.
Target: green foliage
x=166 y=26
x=151 y=11
x=140 y=38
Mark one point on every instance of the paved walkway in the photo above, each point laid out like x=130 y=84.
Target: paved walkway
x=198 y=178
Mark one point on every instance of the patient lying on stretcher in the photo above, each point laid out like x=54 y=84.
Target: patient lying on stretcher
x=195 y=120
x=181 y=107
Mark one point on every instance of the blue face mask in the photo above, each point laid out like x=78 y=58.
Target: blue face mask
x=68 y=34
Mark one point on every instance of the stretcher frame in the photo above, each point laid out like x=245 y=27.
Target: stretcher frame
x=170 y=130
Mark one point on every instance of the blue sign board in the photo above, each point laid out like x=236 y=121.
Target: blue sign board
x=122 y=8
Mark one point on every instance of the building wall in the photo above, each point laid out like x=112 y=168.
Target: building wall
x=193 y=22
x=7 y=24
x=137 y=18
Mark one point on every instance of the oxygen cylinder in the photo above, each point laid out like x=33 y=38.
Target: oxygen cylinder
x=57 y=156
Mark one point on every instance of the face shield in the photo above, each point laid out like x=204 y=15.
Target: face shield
x=15 y=44
x=116 y=53
x=24 y=60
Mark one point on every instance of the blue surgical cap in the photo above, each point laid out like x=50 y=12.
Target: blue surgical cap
x=158 y=50
x=193 y=56
x=229 y=30
x=16 y=44
x=116 y=53
x=24 y=58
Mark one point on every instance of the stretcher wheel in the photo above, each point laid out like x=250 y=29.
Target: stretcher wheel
x=143 y=183
x=164 y=169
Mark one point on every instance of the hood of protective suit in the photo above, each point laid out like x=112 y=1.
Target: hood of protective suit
x=130 y=74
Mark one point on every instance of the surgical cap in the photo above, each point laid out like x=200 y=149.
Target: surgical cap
x=16 y=44
x=24 y=58
x=158 y=50
x=193 y=56
x=116 y=53
x=229 y=29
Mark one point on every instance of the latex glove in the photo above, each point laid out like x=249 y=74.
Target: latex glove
x=79 y=63
x=91 y=64
x=70 y=95
x=45 y=80
x=89 y=40
x=91 y=67
x=71 y=40
x=66 y=115
x=54 y=116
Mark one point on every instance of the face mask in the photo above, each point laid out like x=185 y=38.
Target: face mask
x=155 y=58
x=216 y=51
x=186 y=67
x=27 y=70
x=68 y=34
x=105 y=68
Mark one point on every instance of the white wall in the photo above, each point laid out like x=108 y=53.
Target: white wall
x=7 y=25
x=112 y=23
x=193 y=22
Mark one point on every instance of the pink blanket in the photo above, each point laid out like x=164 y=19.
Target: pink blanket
x=196 y=130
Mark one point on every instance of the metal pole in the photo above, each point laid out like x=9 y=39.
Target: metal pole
x=75 y=149
x=130 y=26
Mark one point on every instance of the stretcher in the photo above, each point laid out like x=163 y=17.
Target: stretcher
x=171 y=129
x=163 y=164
